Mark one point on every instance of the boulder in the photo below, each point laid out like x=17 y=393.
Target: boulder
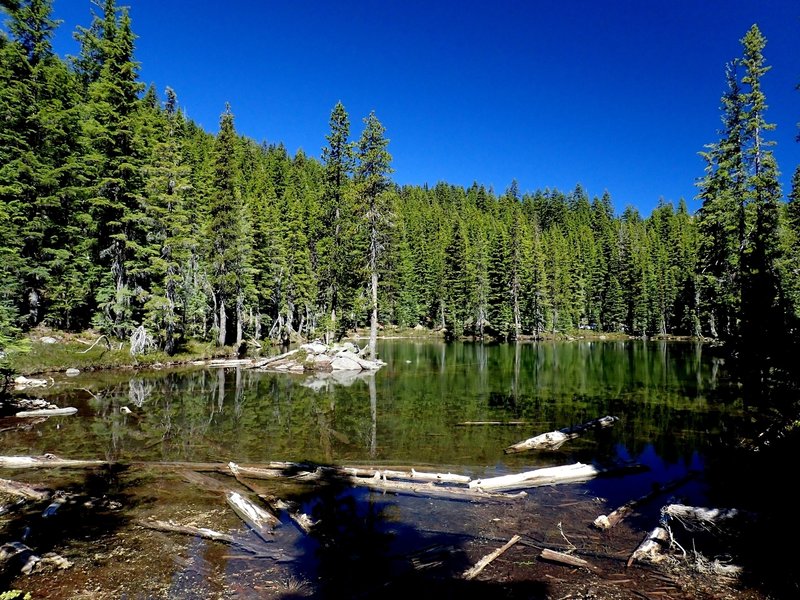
x=71 y=372
x=314 y=348
x=344 y=363
x=48 y=340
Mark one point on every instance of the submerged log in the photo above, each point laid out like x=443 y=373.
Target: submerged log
x=48 y=412
x=24 y=490
x=555 y=439
x=502 y=423
x=604 y=522
x=652 y=547
x=210 y=534
x=302 y=520
x=547 y=476
x=47 y=460
x=486 y=560
x=566 y=559
x=261 y=521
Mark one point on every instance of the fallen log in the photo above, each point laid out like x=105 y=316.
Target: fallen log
x=432 y=490
x=412 y=474
x=24 y=490
x=604 y=522
x=266 y=361
x=486 y=560
x=555 y=439
x=652 y=547
x=48 y=412
x=47 y=460
x=261 y=521
x=547 y=476
x=566 y=559
x=210 y=534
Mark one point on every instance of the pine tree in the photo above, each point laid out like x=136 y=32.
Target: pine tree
x=168 y=228
x=372 y=181
x=337 y=215
x=227 y=232
x=116 y=154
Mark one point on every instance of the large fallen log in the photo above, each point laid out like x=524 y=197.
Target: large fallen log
x=48 y=461
x=604 y=522
x=210 y=534
x=652 y=547
x=501 y=423
x=309 y=472
x=547 y=476
x=261 y=521
x=432 y=490
x=486 y=560
x=555 y=439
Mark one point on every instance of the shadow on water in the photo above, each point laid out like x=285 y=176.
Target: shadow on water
x=364 y=547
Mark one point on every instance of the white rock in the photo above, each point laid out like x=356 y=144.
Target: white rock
x=343 y=363
x=71 y=372
x=314 y=348
x=48 y=340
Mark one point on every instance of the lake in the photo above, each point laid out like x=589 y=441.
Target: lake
x=677 y=410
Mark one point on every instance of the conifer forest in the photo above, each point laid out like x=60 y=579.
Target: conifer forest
x=118 y=213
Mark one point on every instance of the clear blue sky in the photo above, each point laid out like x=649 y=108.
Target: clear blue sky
x=614 y=94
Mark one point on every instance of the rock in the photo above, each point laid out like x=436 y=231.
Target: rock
x=314 y=348
x=418 y=327
x=22 y=382
x=344 y=363
x=321 y=361
x=48 y=340
x=71 y=372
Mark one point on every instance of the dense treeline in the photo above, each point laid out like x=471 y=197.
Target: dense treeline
x=117 y=212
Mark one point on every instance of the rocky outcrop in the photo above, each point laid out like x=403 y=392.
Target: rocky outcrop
x=316 y=356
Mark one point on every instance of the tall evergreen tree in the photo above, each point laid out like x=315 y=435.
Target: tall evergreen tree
x=227 y=232
x=372 y=171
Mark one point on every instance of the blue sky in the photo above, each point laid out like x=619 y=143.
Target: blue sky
x=618 y=94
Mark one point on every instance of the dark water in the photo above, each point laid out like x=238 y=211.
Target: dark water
x=676 y=406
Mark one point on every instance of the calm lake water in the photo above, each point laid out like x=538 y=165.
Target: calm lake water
x=675 y=404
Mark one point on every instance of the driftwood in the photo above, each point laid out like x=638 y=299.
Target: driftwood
x=555 y=439
x=266 y=361
x=23 y=490
x=700 y=517
x=47 y=412
x=547 y=476
x=412 y=474
x=604 y=522
x=652 y=547
x=432 y=490
x=261 y=521
x=566 y=559
x=486 y=560
x=108 y=343
x=302 y=520
x=210 y=534
x=46 y=461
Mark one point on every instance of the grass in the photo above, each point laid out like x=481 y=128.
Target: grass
x=76 y=351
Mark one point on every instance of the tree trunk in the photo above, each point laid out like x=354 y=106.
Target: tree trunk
x=222 y=323
x=373 y=328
